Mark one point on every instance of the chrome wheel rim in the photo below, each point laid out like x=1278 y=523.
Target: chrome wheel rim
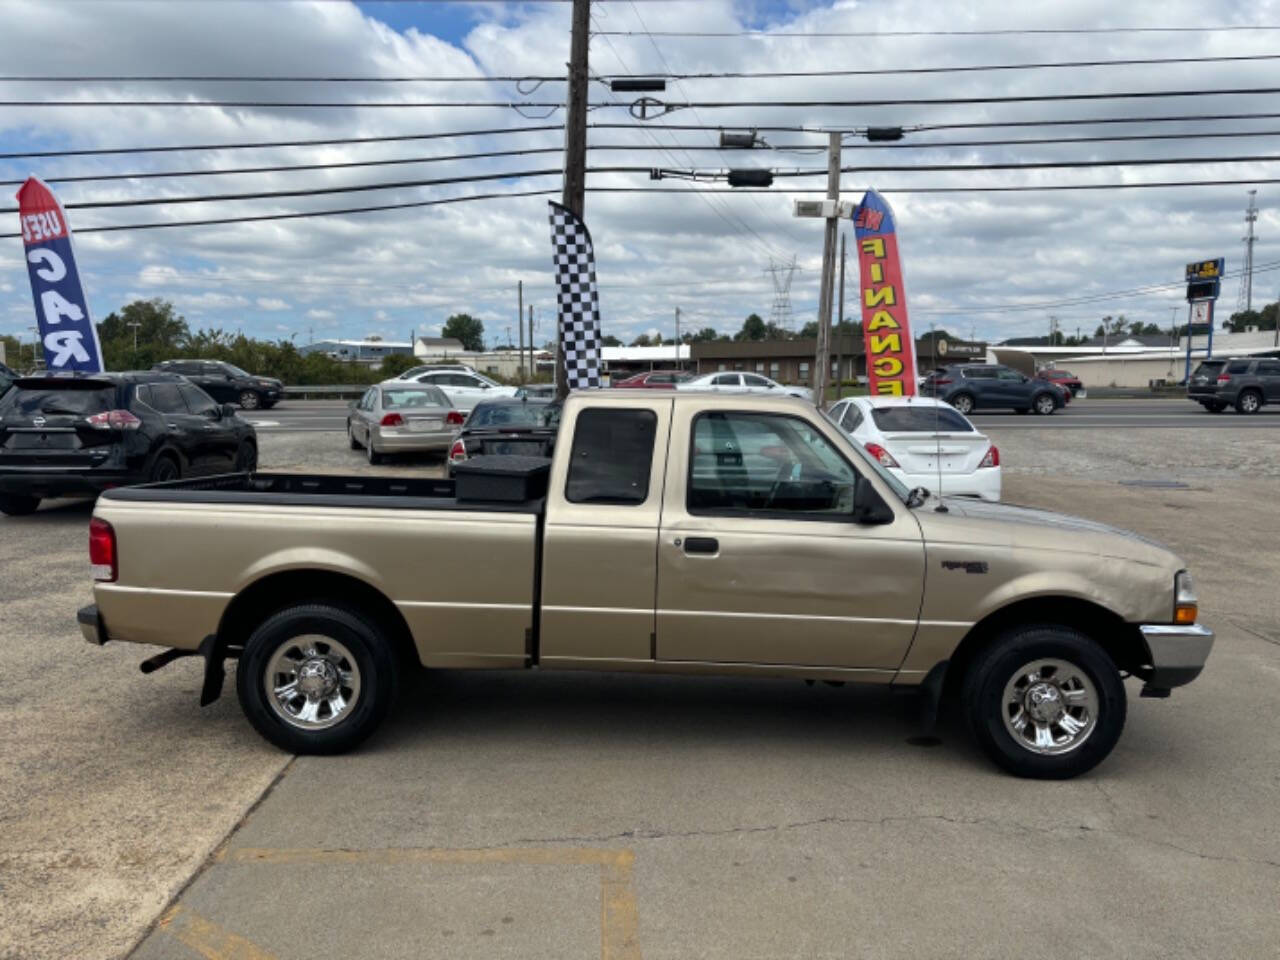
x=1050 y=707
x=963 y=404
x=1249 y=402
x=312 y=682
x=249 y=400
x=1045 y=404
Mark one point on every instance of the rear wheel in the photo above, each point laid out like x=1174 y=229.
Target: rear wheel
x=16 y=505
x=962 y=402
x=351 y=436
x=1249 y=401
x=165 y=468
x=1044 y=404
x=316 y=678
x=1021 y=409
x=249 y=400
x=246 y=457
x=1045 y=701
x=371 y=454
x=1213 y=407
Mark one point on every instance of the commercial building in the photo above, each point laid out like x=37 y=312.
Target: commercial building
x=791 y=361
x=368 y=352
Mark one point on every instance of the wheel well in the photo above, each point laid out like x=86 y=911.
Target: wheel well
x=1121 y=641
x=272 y=593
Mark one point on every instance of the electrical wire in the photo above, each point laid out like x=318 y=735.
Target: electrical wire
x=1033 y=165
x=1051 y=31
x=1021 y=188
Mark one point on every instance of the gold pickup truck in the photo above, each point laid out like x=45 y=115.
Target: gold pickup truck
x=687 y=533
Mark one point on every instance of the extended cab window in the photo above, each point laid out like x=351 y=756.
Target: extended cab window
x=766 y=463
x=612 y=456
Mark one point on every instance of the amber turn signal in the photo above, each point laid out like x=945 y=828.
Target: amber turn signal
x=1185 y=613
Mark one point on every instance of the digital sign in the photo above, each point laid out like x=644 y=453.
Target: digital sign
x=1205 y=269
x=1204 y=279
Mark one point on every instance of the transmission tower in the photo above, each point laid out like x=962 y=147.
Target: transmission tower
x=782 y=272
x=1244 y=300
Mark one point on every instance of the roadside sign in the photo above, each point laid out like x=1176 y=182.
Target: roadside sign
x=823 y=208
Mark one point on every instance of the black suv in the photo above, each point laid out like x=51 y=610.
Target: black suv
x=1246 y=383
x=75 y=436
x=7 y=376
x=227 y=383
x=974 y=386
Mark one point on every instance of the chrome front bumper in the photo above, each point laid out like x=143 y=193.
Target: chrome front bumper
x=1178 y=652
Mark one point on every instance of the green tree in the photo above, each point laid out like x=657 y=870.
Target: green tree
x=610 y=341
x=753 y=328
x=466 y=329
x=161 y=334
x=642 y=341
x=704 y=335
x=394 y=364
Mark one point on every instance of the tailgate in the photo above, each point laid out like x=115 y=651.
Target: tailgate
x=922 y=453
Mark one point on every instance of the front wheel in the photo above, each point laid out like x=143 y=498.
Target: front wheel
x=16 y=505
x=316 y=678
x=1045 y=702
x=249 y=400
x=1044 y=405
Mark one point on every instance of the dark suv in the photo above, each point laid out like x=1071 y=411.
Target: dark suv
x=1246 y=383
x=76 y=436
x=985 y=386
x=227 y=383
x=7 y=376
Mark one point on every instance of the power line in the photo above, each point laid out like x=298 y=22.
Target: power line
x=1089 y=121
x=1022 y=188
x=1032 y=165
x=670 y=106
x=111 y=151
x=770 y=35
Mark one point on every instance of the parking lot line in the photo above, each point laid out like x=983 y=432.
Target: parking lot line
x=209 y=939
x=619 y=917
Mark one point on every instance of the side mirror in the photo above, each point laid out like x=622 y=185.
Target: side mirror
x=226 y=411
x=868 y=508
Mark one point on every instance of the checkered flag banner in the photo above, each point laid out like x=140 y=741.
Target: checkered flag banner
x=575 y=262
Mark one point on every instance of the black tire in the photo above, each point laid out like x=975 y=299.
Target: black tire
x=351 y=437
x=165 y=468
x=371 y=454
x=1022 y=410
x=249 y=400
x=963 y=402
x=371 y=661
x=1248 y=402
x=17 y=505
x=1044 y=404
x=246 y=457
x=1215 y=407
x=994 y=670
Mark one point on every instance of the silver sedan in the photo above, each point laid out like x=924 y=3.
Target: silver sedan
x=402 y=418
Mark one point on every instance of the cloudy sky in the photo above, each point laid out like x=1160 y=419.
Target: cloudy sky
x=998 y=264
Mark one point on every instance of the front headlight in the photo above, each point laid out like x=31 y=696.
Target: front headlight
x=1185 y=604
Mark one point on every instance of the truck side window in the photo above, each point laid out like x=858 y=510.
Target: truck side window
x=746 y=463
x=612 y=456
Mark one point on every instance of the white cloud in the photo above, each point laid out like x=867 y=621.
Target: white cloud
x=315 y=314
x=272 y=304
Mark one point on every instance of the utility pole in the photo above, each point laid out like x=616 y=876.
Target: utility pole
x=519 y=327
x=840 y=325
x=1053 y=330
x=677 y=338
x=822 y=357
x=575 y=143
x=1250 y=217
x=135 y=324
x=532 y=367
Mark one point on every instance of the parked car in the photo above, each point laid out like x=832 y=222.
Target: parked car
x=7 y=376
x=1246 y=383
x=679 y=533
x=227 y=383
x=508 y=426
x=987 y=386
x=654 y=379
x=77 y=436
x=1063 y=378
x=402 y=418
x=924 y=442
x=414 y=372
x=536 y=391
x=464 y=388
x=728 y=382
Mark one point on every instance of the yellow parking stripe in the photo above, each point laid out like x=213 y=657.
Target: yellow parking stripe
x=208 y=939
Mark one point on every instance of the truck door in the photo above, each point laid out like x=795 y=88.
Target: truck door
x=604 y=504
x=762 y=557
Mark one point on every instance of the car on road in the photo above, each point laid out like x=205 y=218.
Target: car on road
x=1063 y=378
x=1246 y=383
x=676 y=532
x=402 y=418
x=507 y=427
x=227 y=383
x=77 y=436
x=990 y=386
x=464 y=387
x=924 y=442
x=733 y=382
x=654 y=380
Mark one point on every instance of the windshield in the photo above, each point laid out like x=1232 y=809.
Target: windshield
x=514 y=415
x=398 y=397
x=920 y=419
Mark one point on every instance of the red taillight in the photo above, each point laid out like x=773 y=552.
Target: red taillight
x=114 y=420
x=942 y=382
x=458 y=451
x=102 y=551
x=393 y=420
x=881 y=454
x=992 y=459
x=1224 y=378
x=454 y=418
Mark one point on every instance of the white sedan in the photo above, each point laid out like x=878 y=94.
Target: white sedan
x=464 y=388
x=732 y=382
x=924 y=443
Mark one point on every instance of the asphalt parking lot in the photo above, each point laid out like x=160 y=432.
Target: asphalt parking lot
x=524 y=815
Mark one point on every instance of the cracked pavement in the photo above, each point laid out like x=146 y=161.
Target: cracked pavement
x=560 y=815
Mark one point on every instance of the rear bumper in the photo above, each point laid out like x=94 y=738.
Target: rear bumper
x=48 y=484
x=1203 y=394
x=413 y=442
x=1178 y=652
x=91 y=626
